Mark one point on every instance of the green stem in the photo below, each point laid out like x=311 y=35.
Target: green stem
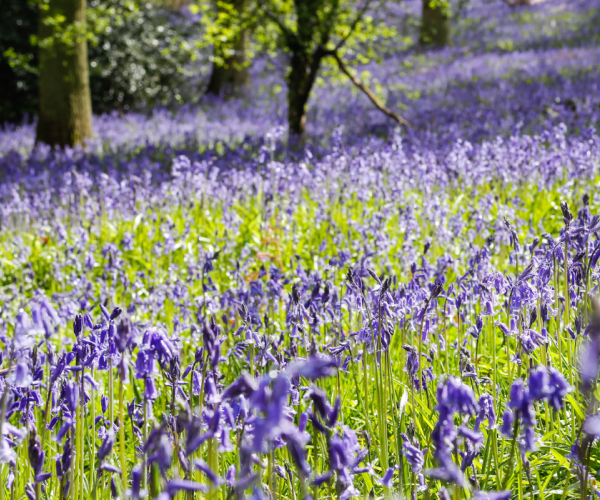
x=111 y=416
x=512 y=451
x=93 y=453
x=145 y=435
x=122 y=435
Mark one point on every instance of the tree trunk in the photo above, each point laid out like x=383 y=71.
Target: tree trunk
x=301 y=79
x=234 y=76
x=65 y=108
x=435 y=23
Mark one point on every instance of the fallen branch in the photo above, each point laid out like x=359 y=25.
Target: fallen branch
x=516 y=3
x=370 y=95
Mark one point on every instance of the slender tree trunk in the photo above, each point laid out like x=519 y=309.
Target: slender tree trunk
x=435 y=23
x=233 y=78
x=65 y=108
x=301 y=79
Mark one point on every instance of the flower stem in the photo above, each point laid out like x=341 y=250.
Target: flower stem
x=122 y=435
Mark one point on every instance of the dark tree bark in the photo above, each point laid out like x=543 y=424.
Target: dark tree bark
x=233 y=78
x=65 y=108
x=435 y=23
x=307 y=49
x=301 y=78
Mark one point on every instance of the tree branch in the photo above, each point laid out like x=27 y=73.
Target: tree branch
x=288 y=35
x=516 y=3
x=353 y=25
x=378 y=104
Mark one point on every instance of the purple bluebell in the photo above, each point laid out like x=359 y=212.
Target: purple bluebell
x=106 y=447
x=486 y=412
x=447 y=473
x=558 y=389
x=507 y=424
x=159 y=449
x=388 y=478
x=538 y=383
x=453 y=397
x=110 y=468
x=591 y=426
x=37 y=458
x=202 y=466
x=243 y=385
x=589 y=361
x=322 y=479
x=413 y=454
x=492 y=495
x=174 y=486
x=314 y=368
x=136 y=482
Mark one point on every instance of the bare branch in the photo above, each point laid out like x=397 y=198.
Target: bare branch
x=516 y=3
x=378 y=104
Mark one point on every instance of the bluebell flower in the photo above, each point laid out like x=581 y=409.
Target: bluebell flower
x=447 y=473
x=591 y=426
x=105 y=312
x=202 y=466
x=486 y=412
x=507 y=424
x=116 y=312
x=454 y=396
x=322 y=479
x=444 y=495
x=243 y=385
x=531 y=340
x=159 y=449
x=37 y=457
x=345 y=456
x=492 y=495
x=174 y=486
x=476 y=438
x=388 y=478
x=518 y=394
x=314 y=368
x=558 y=389
x=589 y=362
x=106 y=447
x=110 y=468
x=538 y=383
x=78 y=325
x=528 y=443
x=136 y=482
x=413 y=454
x=63 y=461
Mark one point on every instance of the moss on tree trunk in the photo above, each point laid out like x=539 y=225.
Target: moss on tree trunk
x=65 y=109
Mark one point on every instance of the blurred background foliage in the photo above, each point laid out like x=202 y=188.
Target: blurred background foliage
x=18 y=59
x=144 y=54
x=140 y=53
x=148 y=55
